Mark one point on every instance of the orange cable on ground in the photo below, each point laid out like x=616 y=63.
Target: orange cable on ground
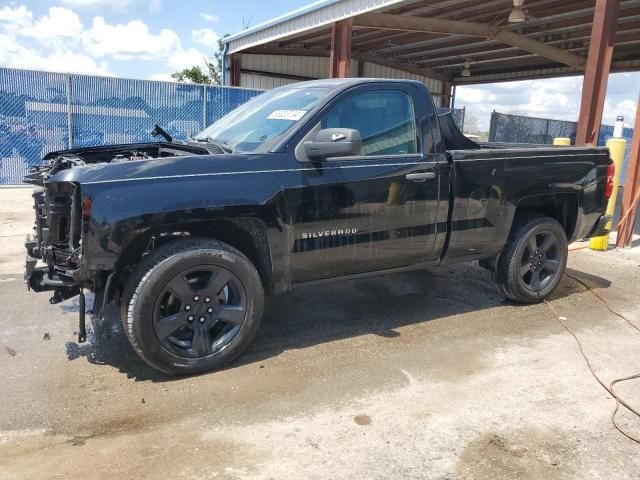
x=609 y=388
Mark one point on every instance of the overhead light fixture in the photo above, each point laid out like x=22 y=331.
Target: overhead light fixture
x=466 y=71
x=517 y=14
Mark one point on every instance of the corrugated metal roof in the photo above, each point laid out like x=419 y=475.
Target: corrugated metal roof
x=304 y=19
x=563 y=26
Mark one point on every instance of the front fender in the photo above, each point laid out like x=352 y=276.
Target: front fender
x=122 y=203
x=121 y=211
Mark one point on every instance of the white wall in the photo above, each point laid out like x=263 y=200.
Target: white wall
x=315 y=67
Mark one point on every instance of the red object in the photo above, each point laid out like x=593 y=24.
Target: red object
x=87 y=203
x=608 y=188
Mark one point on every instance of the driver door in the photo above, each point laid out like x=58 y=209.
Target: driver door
x=372 y=211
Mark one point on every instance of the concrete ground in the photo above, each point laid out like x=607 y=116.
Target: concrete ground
x=425 y=375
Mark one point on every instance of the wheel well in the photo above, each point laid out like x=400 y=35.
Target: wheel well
x=248 y=235
x=562 y=207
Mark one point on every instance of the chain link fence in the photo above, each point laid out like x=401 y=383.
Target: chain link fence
x=41 y=112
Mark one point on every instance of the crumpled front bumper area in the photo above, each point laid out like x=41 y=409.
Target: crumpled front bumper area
x=40 y=280
x=43 y=279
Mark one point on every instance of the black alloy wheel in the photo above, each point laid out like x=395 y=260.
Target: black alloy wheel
x=533 y=259
x=199 y=311
x=540 y=260
x=192 y=305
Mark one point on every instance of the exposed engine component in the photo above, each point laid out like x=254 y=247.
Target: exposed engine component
x=55 y=162
x=133 y=156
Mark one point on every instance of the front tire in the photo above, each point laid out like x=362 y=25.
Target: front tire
x=534 y=259
x=193 y=305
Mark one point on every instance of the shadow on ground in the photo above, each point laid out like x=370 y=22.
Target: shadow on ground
x=313 y=315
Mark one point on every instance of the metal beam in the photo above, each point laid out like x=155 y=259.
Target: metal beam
x=489 y=48
x=498 y=56
x=443 y=26
x=510 y=74
x=299 y=52
x=284 y=76
x=577 y=16
x=418 y=45
x=631 y=187
x=405 y=67
x=483 y=11
x=385 y=21
x=594 y=87
x=340 y=55
x=442 y=9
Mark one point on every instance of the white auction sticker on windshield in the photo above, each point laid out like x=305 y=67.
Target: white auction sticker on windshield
x=286 y=114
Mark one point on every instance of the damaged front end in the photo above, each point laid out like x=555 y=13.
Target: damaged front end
x=70 y=250
x=56 y=240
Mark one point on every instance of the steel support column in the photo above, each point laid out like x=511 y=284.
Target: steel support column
x=235 y=69
x=631 y=187
x=340 y=56
x=594 y=87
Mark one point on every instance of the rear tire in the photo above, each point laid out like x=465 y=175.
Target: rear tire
x=192 y=305
x=534 y=259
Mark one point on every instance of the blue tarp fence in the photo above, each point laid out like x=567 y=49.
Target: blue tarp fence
x=41 y=112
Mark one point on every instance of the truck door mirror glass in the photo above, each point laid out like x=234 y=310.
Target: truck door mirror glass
x=334 y=142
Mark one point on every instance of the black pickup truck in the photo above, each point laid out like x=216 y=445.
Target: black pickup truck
x=312 y=182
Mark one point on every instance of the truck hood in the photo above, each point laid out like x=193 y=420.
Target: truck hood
x=154 y=169
x=134 y=162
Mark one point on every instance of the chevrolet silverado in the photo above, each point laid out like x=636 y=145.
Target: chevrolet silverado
x=312 y=182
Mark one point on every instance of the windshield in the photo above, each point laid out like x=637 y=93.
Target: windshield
x=257 y=125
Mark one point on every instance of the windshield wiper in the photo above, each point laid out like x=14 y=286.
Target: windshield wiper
x=221 y=144
x=158 y=130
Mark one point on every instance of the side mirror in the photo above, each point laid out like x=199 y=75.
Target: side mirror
x=334 y=142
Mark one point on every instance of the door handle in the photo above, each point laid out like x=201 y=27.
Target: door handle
x=421 y=176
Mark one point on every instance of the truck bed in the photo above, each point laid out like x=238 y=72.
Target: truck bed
x=488 y=184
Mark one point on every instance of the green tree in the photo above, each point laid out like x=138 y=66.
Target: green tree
x=210 y=73
x=197 y=74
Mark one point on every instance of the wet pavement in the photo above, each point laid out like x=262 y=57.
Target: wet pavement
x=428 y=374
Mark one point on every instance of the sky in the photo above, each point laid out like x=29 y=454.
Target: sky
x=126 y=38
x=557 y=98
x=150 y=39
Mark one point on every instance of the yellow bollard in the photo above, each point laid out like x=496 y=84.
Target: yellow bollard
x=617 y=147
x=562 y=141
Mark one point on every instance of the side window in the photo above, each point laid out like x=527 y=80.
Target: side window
x=384 y=118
